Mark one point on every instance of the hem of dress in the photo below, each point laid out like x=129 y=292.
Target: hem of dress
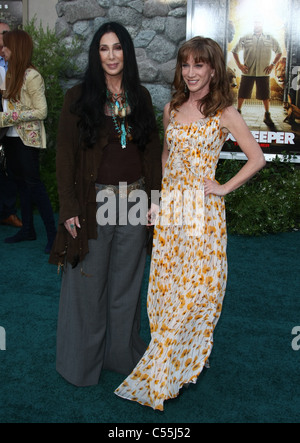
x=160 y=408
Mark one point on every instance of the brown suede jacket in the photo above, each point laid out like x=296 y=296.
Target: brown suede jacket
x=76 y=171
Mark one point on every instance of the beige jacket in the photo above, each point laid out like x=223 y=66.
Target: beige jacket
x=27 y=115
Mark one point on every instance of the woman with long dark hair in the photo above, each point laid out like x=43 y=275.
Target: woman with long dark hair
x=189 y=266
x=108 y=147
x=25 y=109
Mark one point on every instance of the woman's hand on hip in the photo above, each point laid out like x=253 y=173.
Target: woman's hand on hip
x=213 y=187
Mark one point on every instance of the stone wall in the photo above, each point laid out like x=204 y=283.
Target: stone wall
x=157 y=27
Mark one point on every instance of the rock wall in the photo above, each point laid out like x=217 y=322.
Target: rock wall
x=157 y=27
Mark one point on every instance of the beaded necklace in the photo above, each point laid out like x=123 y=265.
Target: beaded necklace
x=118 y=105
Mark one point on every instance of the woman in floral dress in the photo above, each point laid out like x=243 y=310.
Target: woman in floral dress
x=189 y=266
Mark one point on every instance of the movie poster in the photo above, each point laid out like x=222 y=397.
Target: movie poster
x=261 y=43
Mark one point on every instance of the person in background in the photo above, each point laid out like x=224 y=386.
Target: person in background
x=257 y=66
x=8 y=187
x=189 y=266
x=108 y=147
x=24 y=111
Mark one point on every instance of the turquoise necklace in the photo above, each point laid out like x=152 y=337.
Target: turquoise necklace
x=118 y=105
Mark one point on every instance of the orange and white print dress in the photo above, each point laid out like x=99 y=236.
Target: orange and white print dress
x=188 y=268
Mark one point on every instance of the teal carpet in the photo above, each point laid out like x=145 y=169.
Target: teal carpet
x=254 y=375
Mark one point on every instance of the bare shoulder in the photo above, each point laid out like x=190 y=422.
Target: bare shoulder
x=229 y=113
x=166 y=115
x=231 y=117
x=167 y=109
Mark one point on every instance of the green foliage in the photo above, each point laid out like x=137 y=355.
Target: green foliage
x=160 y=124
x=268 y=203
x=48 y=176
x=54 y=60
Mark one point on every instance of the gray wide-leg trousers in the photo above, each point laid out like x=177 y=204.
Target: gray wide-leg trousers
x=99 y=312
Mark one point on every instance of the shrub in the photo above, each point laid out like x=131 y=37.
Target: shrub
x=54 y=60
x=268 y=203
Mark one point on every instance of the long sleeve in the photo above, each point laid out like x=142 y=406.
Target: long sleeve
x=32 y=105
x=67 y=151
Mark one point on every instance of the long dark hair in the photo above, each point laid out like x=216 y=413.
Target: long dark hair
x=90 y=105
x=208 y=51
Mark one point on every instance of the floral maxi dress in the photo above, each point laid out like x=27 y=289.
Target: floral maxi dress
x=188 y=268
